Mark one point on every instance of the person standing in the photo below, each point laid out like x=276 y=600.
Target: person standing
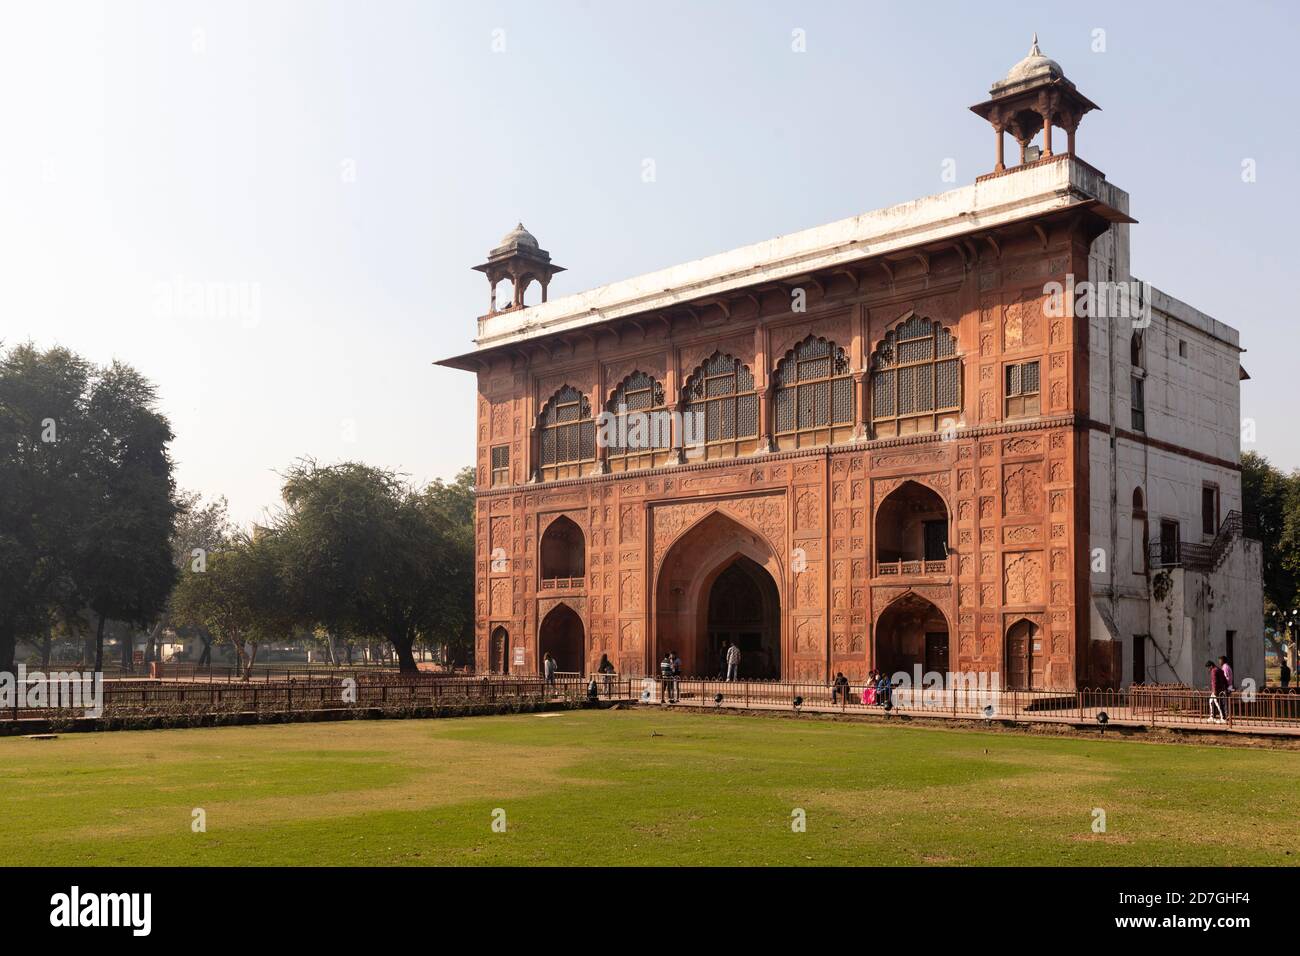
x=548 y=671
x=1226 y=697
x=666 y=678
x=606 y=667
x=733 y=662
x=677 y=677
x=1286 y=674
x=1227 y=673
x=722 y=671
x=1216 y=688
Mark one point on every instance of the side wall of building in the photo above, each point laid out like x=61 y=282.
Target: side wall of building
x=1150 y=466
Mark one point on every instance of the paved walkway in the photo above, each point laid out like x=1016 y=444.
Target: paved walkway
x=940 y=706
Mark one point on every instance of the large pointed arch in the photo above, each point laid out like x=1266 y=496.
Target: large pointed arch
x=684 y=588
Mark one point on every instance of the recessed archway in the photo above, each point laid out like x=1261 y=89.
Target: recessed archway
x=563 y=550
x=722 y=558
x=911 y=632
x=912 y=531
x=744 y=609
x=499 y=651
x=563 y=637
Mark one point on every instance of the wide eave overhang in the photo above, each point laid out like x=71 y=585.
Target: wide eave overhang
x=1060 y=186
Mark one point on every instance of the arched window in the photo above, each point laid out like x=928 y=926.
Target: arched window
x=563 y=554
x=568 y=434
x=721 y=401
x=814 y=395
x=915 y=379
x=638 y=430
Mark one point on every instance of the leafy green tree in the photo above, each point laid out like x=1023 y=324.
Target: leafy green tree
x=238 y=598
x=1273 y=496
x=124 y=570
x=451 y=510
x=86 y=495
x=367 y=556
x=200 y=530
x=42 y=398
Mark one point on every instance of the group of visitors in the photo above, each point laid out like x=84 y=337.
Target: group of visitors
x=1220 y=688
x=877 y=692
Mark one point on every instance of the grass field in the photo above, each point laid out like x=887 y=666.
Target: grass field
x=599 y=787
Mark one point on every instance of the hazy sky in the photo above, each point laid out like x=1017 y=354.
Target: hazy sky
x=325 y=175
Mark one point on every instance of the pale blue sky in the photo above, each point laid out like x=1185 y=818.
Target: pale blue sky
x=343 y=165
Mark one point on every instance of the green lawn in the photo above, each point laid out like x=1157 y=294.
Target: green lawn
x=600 y=787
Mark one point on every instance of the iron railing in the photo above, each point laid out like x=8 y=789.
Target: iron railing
x=1204 y=558
x=1141 y=705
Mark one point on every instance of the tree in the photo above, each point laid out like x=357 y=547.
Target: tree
x=1273 y=497
x=451 y=509
x=124 y=570
x=239 y=597
x=368 y=556
x=42 y=398
x=87 y=499
x=200 y=530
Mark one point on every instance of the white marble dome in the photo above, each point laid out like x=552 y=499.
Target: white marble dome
x=1034 y=66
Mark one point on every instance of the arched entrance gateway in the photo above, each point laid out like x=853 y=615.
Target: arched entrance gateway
x=562 y=636
x=911 y=632
x=718 y=583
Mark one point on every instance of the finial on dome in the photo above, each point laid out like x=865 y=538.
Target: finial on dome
x=1033 y=48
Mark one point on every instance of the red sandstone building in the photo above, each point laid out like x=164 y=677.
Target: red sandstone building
x=904 y=444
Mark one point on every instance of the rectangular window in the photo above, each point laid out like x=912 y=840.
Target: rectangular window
x=1139 y=405
x=936 y=540
x=1022 y=390
x=1182 y=349
x=500 y=465
x=1209 y=509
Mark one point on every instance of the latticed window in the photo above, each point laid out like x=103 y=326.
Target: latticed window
x=915 y=379
x=1022 y=390
x=568 y=434
x=639 y=429
x=814 y=395
x=500 y=465
x=721 y=401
